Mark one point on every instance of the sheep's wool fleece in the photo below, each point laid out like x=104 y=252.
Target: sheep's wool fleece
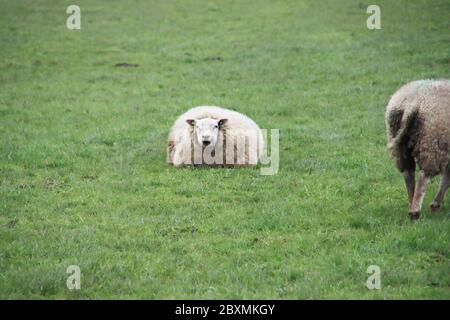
x=429 y=130
x=181 y=134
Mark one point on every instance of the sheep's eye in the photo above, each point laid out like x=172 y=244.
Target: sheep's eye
x=216 y=126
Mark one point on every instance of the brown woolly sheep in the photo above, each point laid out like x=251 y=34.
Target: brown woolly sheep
x=418 y=131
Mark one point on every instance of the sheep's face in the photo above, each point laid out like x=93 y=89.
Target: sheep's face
x=206 y=131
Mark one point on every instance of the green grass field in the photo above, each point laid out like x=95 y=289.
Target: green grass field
x=82 y=152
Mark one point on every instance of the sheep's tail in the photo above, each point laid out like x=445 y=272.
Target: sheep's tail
x=398 y=123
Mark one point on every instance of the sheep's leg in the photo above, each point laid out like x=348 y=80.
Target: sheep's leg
x=444 y=185
x=410 y=181
x=419 y=195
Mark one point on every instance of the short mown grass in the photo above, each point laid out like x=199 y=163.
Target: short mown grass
x=82 y=152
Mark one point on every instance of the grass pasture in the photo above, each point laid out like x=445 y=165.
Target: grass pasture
x=83 y=178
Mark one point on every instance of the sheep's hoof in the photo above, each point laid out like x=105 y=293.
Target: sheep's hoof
x=414 y=215
x=434 y=206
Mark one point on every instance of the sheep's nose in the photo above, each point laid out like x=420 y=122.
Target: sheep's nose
x=206 y=138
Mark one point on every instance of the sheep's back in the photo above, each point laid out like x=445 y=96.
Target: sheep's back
x=432 y=132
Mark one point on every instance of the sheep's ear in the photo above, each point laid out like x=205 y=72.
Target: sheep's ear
x=190 y=122
x=222 y=122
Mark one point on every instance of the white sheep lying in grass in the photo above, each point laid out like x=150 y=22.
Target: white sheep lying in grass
x=418 y=127
x=214 y=136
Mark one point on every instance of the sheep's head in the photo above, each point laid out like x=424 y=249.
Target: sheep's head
x=206 y=131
